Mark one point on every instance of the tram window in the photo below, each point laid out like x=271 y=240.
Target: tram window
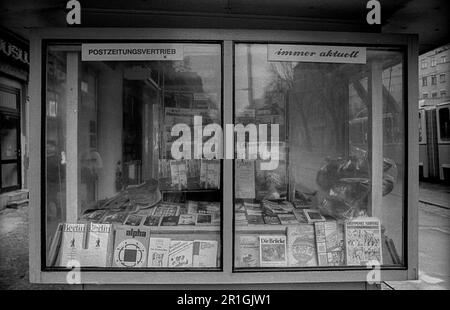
x=444 y=124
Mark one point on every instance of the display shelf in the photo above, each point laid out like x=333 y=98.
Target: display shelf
x=185 y=229
x=262 y=228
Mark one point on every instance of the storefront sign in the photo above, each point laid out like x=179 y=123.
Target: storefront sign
x=131 y=51
x=317 y=53
x=14 y=54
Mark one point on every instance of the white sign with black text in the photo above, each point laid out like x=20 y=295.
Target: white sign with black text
x=317 y=53
x=131 y=51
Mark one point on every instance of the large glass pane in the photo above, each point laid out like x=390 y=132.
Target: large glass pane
x=125 y=187
x=334 y=196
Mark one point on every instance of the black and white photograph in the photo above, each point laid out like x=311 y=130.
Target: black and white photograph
x=242 y=145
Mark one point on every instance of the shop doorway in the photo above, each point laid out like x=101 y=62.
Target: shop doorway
x=10 y=151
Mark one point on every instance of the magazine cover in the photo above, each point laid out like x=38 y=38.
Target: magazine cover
x=271 y=220
x=96 y=253
x=255 y=219
x=152 y=220
x=187 y=219
x=131 y=247
x=248 y=251
x=301 y=246
x=205 y=253
x=134 y=219
x=204 y=219
x=158 y=252
x=334 y=237
x=288 y=219
x=166 y=209
x=180 y=253
x=273 y=251
x=363 y=241
x=169 y=221
x=321 y=248
x=72 y=244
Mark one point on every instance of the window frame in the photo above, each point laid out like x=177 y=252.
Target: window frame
x=433 y=80
x=442 y=107
x=61 y=44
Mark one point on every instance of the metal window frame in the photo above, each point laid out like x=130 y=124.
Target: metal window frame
x=409 y=43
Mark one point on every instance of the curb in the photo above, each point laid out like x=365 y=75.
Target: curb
x=434 y=204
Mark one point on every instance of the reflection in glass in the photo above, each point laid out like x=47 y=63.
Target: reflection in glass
x=116 y=197
x=323 y=202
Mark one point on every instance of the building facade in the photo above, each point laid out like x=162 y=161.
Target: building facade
x=434 y=70
x=14 y=68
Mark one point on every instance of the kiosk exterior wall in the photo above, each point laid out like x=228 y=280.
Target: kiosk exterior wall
x=226 y=273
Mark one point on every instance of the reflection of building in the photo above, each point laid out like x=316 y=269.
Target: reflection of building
x=434 y=135
x=434 y=71
x=14 y=66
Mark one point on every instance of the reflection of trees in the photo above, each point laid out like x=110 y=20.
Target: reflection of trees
x=314 y=88
x=283 y=82
x=334 y=97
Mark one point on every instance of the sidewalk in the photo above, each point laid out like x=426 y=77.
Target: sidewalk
x=434 y=240
x=14 y=251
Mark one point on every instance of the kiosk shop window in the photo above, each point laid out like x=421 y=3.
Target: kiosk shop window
x=333 y=193
x=116 y=196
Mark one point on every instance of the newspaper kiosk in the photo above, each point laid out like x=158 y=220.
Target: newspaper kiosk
x=230 y=158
